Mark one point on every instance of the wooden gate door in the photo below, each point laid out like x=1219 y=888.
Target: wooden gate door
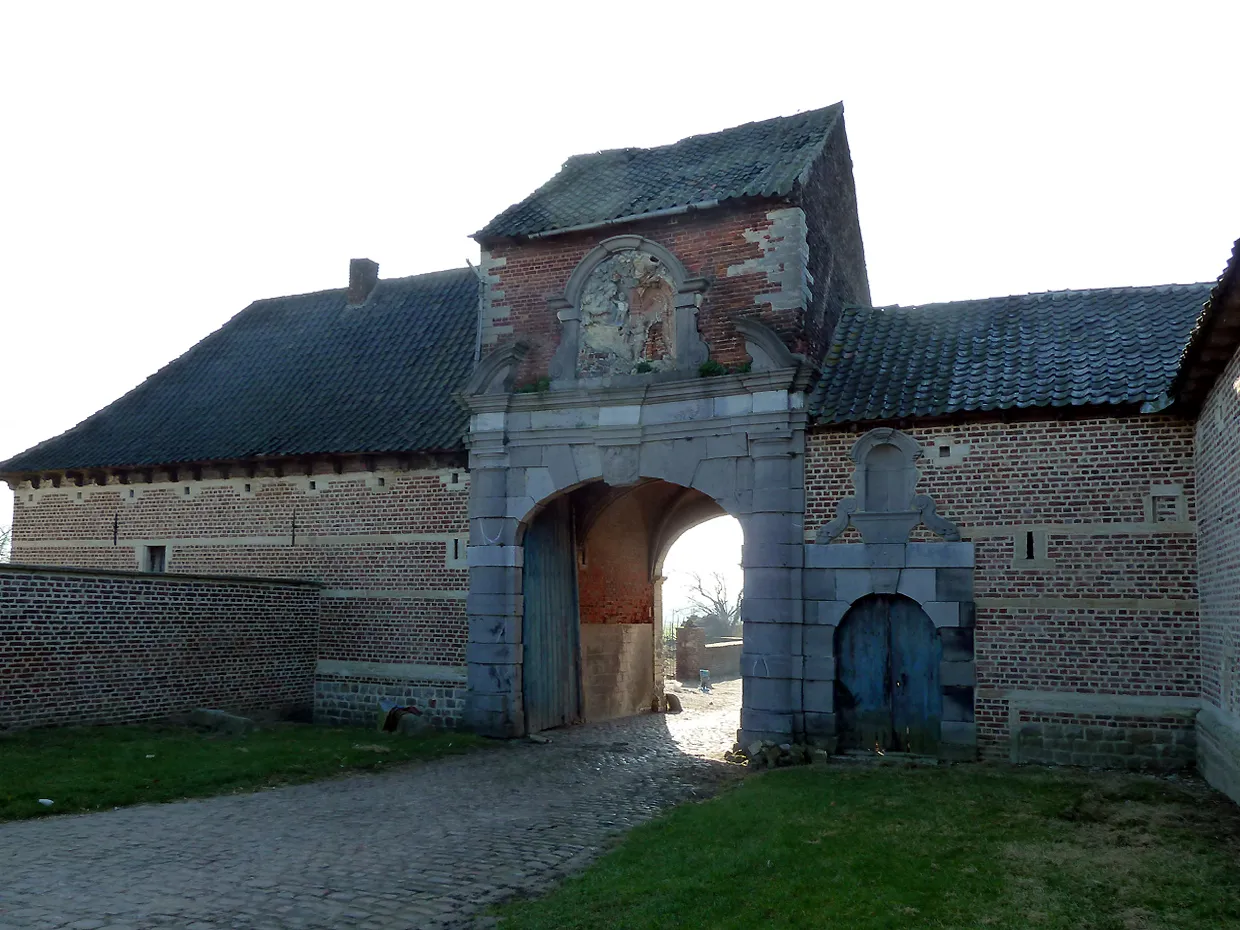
x=551 y=672
x=887 y=693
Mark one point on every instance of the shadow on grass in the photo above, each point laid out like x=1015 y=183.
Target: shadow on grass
x=98 y=768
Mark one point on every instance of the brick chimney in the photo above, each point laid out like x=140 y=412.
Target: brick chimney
x=363 y=276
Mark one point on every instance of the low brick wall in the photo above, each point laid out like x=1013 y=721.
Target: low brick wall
x=351 y=693
x=723 y=659
x=90 y=646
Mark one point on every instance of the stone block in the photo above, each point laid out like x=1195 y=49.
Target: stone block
x=958 y=703
x=495 y=555
x=524 y=456
x=953 y=584
x=943 y=613
x=918 y=583
x=733 y=405
x=560 y=464
x=520 y=508
x=957 y=644
x=819 y=724
x=772 y=694
x=716 y=478
x=968 y=614
x=885 y=580
x=494 y=653
x=495 y=605
x=958 y=733
x=769 y=666
x=818 y=697
x=494 y=579
x=767 y=610
x=771 y=555
x=817 y=584
x=763 y=529
x=770 y=401
x=755 y=722
x=818 y=641
x=819 y=668
x=836 y=555
x=487 y=507
x=773 y=471
x=883 y=555
x=620 y=465
x=771 y=638
x=852 y=584
x=488 y=482
x=493 y=679
x=771 y=582
x=940 y=555
x=953 y=674
x=587 y=461
x=681 y=411
x=727 y=445
x=826 y=613
x=777 y=500
x=539 y=484
x=623 y=415
x=494 y=629
x=493 y=531
x=564 y=418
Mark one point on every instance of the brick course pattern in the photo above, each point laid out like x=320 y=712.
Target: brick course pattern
x=1071 y=619
x=523 y=276
x=91 y=647
x=1218 y=472
x=388 y=545
x=1138 y=743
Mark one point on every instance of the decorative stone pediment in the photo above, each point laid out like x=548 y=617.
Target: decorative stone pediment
x=886 y=507
x=629 y=308
x=496 y=373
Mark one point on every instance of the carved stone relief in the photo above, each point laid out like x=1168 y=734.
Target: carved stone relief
x=628 y=308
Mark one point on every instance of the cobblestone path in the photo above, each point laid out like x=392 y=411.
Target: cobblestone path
x=427 y=846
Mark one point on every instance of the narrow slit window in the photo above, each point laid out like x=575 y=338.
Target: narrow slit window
x=1029 y=546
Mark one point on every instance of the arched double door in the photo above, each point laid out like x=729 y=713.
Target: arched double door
x=887 y=689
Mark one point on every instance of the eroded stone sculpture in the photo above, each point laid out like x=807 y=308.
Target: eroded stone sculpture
x=628 y=313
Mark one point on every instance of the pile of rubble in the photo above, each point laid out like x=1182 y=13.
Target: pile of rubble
x=763 y=754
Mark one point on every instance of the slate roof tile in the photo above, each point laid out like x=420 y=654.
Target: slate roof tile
x=763 y=159
x=296 y=376
x=1062 y=348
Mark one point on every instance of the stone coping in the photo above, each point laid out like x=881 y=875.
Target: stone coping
x=1102 y=705
x=17 y=568
x=398 y=671
x=889 y=555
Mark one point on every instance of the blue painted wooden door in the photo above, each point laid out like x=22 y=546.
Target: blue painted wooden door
x=551 y=670
x=887 y=693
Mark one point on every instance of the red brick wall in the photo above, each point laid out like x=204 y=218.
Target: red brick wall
x=706 y=243
x=352 y=535
x=109 y=648
x=1218 y=478
x=614 y=583
x=1083 y=483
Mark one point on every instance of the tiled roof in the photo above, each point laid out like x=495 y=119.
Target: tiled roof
x=755 y=160
x=1214 y=340
x=296 y=376
x=1063 y=348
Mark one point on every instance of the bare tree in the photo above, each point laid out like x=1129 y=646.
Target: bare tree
x=721 y=614
x=6 y=539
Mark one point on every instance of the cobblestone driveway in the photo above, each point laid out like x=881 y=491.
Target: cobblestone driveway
x=423 y=847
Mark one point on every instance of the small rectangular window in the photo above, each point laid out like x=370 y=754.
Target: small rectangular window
x=1029 y=546
x=187 y=489
x=247 y=489
x=156 y=559
x=313 y=486
x=945 y=452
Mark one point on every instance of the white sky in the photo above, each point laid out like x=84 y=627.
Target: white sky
x=162 y=165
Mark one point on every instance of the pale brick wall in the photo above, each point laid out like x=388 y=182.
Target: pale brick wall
x=388 y=545
x=1218 y=478
x=1108 y=605
x=87 y=647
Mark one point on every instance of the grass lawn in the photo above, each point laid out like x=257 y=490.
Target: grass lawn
x=97 y=768
x=953 y=847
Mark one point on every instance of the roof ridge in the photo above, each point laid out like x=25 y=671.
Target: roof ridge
x=1117 y=289
x=341 y=290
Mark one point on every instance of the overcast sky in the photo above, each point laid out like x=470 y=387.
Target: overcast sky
x=166 y=164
